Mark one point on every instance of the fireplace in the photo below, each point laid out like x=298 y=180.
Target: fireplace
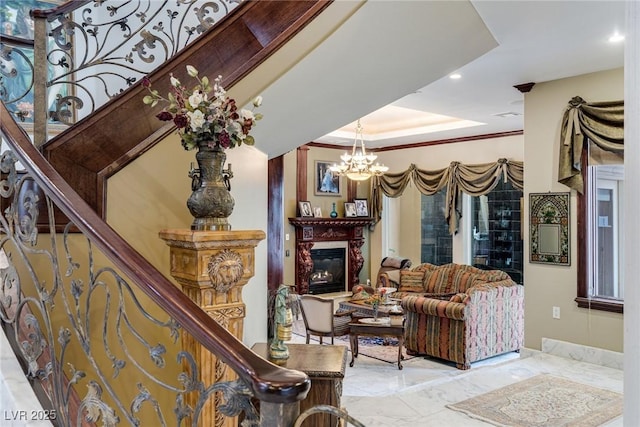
x=313 y=237
x=329 y=272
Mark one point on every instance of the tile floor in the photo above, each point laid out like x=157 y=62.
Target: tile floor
x=380 y=395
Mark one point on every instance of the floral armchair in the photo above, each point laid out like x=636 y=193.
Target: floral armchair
x=461 y=313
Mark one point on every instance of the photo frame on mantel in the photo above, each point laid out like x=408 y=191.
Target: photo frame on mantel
x=350 y=210
x=549 y=228
x=305 y=209
x=362 y=207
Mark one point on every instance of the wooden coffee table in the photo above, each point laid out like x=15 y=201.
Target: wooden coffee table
x=367 y=328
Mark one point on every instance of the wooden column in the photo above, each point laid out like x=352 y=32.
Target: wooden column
x=212 y=267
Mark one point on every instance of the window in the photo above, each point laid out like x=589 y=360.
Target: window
x=600 y=231
x=496 y=241
x=436 y=242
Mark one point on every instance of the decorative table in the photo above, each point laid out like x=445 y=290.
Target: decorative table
x=325 y=365
x=380 y=327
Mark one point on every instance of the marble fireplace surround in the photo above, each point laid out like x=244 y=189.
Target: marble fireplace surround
x=310 y=231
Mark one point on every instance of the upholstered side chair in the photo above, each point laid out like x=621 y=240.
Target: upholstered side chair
x=320 y=318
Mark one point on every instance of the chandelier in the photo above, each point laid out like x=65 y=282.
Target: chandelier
x=358 y=165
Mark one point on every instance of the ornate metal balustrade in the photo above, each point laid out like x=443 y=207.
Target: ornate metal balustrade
x=91 y=51
x=95 y=326
x=98 y=327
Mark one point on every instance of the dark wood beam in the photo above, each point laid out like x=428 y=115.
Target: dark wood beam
x=301 y=173
x=524 y=87
x=275 y=227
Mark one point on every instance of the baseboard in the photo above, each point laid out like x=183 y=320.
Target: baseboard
x=583 y=353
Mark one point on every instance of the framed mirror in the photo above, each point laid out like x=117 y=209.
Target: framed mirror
x=549 y=228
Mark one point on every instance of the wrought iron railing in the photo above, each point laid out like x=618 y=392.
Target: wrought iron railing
x=97 y=325
x=93 y=322
x=92 y=51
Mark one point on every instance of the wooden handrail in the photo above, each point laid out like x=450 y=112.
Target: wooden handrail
x=66 y=7
x=16 y=41
x=269 y=382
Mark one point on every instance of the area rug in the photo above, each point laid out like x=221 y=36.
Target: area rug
x=376 y=348
x=544 y=400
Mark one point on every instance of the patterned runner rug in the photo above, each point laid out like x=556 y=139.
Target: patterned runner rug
x=544 y=400
x=373 y=347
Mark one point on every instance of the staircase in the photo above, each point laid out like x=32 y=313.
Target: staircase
x=72 y=184
x=119 y=132
x=99 y=146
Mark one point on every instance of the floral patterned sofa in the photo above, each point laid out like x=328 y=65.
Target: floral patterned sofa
x=461 y=313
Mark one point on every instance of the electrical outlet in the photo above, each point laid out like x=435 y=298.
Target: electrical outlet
x=556 y=312
x=286 y=236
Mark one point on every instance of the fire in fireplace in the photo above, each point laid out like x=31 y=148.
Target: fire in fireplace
x=329 y=272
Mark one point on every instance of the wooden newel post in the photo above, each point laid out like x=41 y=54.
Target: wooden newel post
x=212 y=267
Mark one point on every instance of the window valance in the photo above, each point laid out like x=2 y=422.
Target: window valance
x=474 y=180
x=601 y=122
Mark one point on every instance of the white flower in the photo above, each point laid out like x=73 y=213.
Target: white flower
x=218 y=90
x=246 y=114
x=174 y=82
x=257 y=101
x=236 y=129
x=196 y=98
x=196 y=119
x=191 y=70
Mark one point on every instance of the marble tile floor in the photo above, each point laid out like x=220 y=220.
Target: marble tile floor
x=380 y=395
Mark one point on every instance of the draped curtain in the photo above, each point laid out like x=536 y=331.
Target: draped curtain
x=474 y=180
x=601 y=122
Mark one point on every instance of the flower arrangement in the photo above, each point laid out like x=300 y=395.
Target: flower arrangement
x=204 y=113
x=376 y=299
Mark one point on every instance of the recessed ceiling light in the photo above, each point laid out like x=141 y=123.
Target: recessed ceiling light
x=455 y=76
x=616 y=38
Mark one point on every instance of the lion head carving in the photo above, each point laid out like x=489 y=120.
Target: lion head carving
x=225 y=270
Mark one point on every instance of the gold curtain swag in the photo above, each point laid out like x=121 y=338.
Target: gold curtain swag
x=601 y=122
x=474 y=180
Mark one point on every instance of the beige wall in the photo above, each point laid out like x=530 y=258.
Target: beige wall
x=546 y=286
x=550 y=285
x=150 y=195
x=405 y=239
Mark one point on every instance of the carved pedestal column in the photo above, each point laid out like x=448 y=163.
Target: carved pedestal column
x=212 y=267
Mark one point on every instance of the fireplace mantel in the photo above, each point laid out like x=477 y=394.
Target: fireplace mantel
x=312 y=230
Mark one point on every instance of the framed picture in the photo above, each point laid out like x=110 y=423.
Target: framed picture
x=362 y=208
x=305 y=209
x=317 y=212
x=326 y=182
x=349 y=210
x=549 y=228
